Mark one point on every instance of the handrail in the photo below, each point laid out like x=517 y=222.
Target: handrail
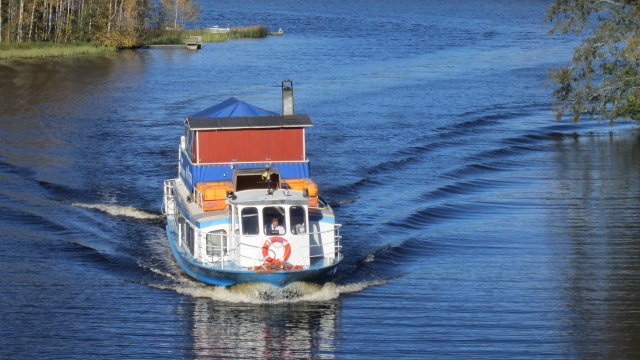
x=242 y=240
x=169 y=200
x=198 y=197
x=224 y=260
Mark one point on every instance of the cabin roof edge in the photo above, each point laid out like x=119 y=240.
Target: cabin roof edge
x=248 y=122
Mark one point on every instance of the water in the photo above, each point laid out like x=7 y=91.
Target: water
x=474 y=225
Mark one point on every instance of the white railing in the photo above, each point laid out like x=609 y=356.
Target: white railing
x=169 y=200
x=333 y=243
x=198 y=196
x=234 y=256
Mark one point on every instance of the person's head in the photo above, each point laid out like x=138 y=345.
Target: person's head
x=274 y=221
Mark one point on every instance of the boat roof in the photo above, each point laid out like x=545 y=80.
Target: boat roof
x=248 y=122
x=236 y=114
x=277 y=197
x=233 y=107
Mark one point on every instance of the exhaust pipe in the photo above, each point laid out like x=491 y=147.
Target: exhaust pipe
x=287 y=97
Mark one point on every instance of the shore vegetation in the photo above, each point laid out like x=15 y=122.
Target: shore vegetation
x=602 y=80
x=41 y=49
x=41 y=28
x=177 y=37
x=111 y=23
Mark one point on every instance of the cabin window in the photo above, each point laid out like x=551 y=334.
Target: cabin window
x=181 y=230
x=189 y=237
x=297 y=216
x=250 y=223
x=217 y=243
x=273 y=217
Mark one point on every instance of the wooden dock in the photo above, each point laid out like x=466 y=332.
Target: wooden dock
x=194 y=42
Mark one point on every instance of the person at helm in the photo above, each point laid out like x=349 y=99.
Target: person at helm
x=274 y=228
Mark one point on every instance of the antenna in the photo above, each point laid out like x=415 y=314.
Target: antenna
x=267 y=178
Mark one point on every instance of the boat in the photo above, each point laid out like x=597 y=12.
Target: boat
x=243 y=207
x=218 y=30
x=280 y=32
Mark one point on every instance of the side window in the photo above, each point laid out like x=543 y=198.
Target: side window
x=273 y=217
x=250 y=224
x=298 y=217
x=181 y=229
x=189 y=237
x=217 y=243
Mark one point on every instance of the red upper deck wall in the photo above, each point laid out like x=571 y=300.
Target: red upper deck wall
x=248 y=145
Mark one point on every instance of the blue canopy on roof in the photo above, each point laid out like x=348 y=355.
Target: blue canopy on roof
x=233 y=107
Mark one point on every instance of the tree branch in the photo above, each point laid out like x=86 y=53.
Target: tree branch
x=610 y=2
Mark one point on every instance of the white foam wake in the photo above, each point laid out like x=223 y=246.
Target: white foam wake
x=263 y=293
x=117 y=210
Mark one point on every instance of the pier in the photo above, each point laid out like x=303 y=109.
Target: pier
x=194 y=42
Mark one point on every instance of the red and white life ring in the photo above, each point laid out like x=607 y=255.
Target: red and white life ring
x=269 y=242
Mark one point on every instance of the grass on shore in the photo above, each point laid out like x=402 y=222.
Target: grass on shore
x=178 y=37
x=44 y=49
x=47 y=49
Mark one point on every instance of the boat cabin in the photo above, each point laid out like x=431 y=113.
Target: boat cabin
x=235 y=135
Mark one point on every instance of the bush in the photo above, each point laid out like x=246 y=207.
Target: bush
x=178 y=37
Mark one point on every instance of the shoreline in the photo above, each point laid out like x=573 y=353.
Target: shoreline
x=10 y=51
x=165 y=38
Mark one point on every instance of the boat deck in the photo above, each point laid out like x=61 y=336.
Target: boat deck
x=192 y=210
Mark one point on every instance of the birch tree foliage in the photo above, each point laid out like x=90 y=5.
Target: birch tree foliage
x=125 y=23
x=120 y=23
x=176 y=13
x=602 y=80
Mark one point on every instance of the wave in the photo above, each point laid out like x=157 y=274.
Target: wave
x=22 y=172
x=350 y=189
x=461 y=188
x=473 y=169
x=263 y=293
x=348 y=280
x=342 y=202
x=118 y=210
x=419 y=218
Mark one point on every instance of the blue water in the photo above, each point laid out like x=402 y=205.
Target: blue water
x=475 y=226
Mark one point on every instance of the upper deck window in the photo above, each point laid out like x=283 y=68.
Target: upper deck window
x=273 y=218
x=250 y=223
x=297 y=216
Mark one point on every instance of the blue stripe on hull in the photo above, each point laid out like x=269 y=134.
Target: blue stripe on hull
x=230 y=277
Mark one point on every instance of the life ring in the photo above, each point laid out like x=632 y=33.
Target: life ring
x=269 y=242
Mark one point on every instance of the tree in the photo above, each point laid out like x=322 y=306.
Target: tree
x=119 y=23
x=603 y=79
x=175 y=13
x=125 y=23
x=1 y=21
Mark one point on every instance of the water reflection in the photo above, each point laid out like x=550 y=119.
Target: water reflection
x=598 y=242
x=285 y=330
x=50 y=83
x=51 y=108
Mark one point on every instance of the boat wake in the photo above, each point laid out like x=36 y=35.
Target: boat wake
x=117 y=210
x=264 y=293
x=173 y=279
